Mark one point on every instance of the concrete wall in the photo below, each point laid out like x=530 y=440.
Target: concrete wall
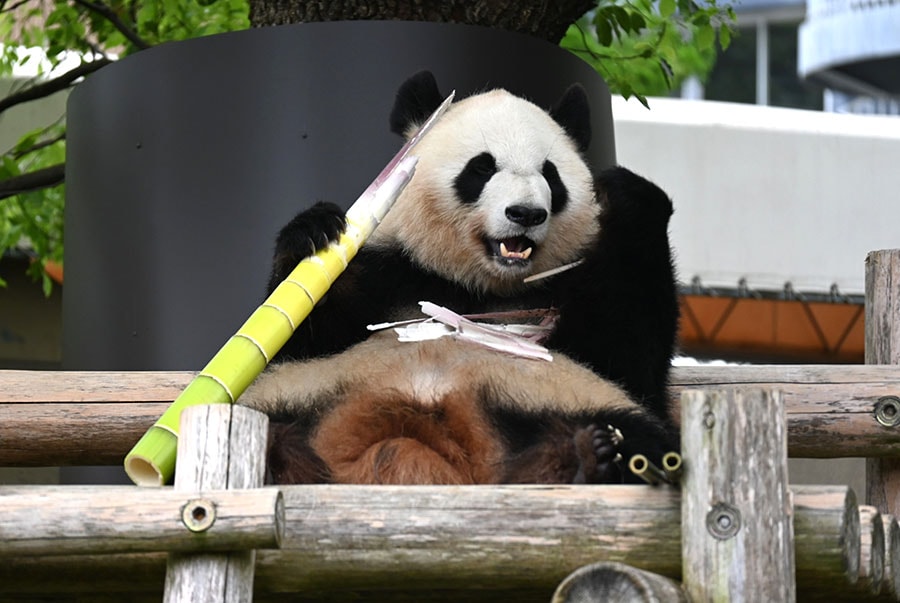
x=769 y=194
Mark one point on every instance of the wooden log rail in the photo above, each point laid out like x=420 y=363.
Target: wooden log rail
x=74 y=520
x=94 y=418
x=348 y=540
x=423 y=539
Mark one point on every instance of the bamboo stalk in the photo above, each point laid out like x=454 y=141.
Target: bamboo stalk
x=248 y=351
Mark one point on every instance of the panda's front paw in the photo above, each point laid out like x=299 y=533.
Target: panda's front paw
x=598 y=453
x=627 y=197
x=310 y=231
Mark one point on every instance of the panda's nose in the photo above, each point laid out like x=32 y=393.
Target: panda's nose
x=526 y=216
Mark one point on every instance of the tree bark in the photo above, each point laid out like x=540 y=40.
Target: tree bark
x=545 y=20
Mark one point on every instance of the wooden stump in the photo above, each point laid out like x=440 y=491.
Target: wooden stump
x=611 y=581
x=883 y=347
x=221 y=446
x=737 y=533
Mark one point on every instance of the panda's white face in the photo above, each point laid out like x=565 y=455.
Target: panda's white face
x=500 y=192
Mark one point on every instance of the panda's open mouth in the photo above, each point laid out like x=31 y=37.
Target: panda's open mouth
x=512 y=251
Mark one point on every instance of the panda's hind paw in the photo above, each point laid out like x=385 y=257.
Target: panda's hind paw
x=598 y=453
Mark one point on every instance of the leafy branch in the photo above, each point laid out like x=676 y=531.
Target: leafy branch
x=646 y=49
x=57 y=84
x=110 y=15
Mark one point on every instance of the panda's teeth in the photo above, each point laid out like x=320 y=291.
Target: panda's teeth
x=520 y=255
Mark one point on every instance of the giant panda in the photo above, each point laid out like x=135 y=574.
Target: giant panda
x=501 y=192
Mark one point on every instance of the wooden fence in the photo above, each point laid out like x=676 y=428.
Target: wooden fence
x=736 y=530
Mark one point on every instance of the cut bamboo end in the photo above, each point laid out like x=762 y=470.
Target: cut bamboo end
x=152 y=458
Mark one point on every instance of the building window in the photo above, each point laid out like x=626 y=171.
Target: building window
x=760 y=67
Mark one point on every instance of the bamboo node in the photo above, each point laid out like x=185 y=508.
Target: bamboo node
x=723 y=521
x=887 y=411
x=198 y=514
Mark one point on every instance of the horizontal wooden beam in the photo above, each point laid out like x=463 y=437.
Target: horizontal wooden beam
x=62 y=418
x=453 y=539
x=50 y=418
x=61 y=520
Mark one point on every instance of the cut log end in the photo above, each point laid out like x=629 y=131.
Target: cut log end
x=611 y=581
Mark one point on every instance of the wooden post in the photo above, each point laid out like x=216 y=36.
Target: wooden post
x=737 y=532
x=883 y=347
x=871 y=550
x=890 y=583
x=827 y=539
x=221 y=446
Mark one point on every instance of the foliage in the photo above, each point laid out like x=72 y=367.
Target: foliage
x=644 y=48
x=641 y=47
x=35 y=216
x=51 y=34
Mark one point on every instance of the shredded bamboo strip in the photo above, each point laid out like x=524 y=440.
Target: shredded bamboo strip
x=244 y=356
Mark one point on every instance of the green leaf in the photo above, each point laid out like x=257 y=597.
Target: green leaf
x=604 y=33
x=637 y=22
x=705 y=36
x=666 y=8
x=724 y=37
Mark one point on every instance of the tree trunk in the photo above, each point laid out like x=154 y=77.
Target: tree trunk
x=545 y=20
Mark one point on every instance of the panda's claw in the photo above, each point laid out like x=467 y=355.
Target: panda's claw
x=598 y=453
x=309 y=232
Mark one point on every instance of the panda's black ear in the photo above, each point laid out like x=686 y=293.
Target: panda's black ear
x=417 y=98
x=573 y=113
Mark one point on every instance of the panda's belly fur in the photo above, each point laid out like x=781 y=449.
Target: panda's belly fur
x=428 y=371
x=386 y=411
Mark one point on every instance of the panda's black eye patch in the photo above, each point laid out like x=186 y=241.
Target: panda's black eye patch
x=559 y=195
x=471 y=180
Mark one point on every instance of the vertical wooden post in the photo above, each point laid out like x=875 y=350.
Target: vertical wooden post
x=883 y=347
x=221 y=446
x=736 y=517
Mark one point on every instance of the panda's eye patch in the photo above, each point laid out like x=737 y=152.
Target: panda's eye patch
x=471 y=180
x=559 y=195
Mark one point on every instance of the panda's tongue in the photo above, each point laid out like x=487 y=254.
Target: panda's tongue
x=516 y=248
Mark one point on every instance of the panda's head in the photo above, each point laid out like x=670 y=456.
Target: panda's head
x=501 y=190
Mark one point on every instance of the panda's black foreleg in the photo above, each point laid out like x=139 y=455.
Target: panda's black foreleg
x=619 y=309
x=308 y=232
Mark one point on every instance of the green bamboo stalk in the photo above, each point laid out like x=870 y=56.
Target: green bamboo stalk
x=244 y=356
